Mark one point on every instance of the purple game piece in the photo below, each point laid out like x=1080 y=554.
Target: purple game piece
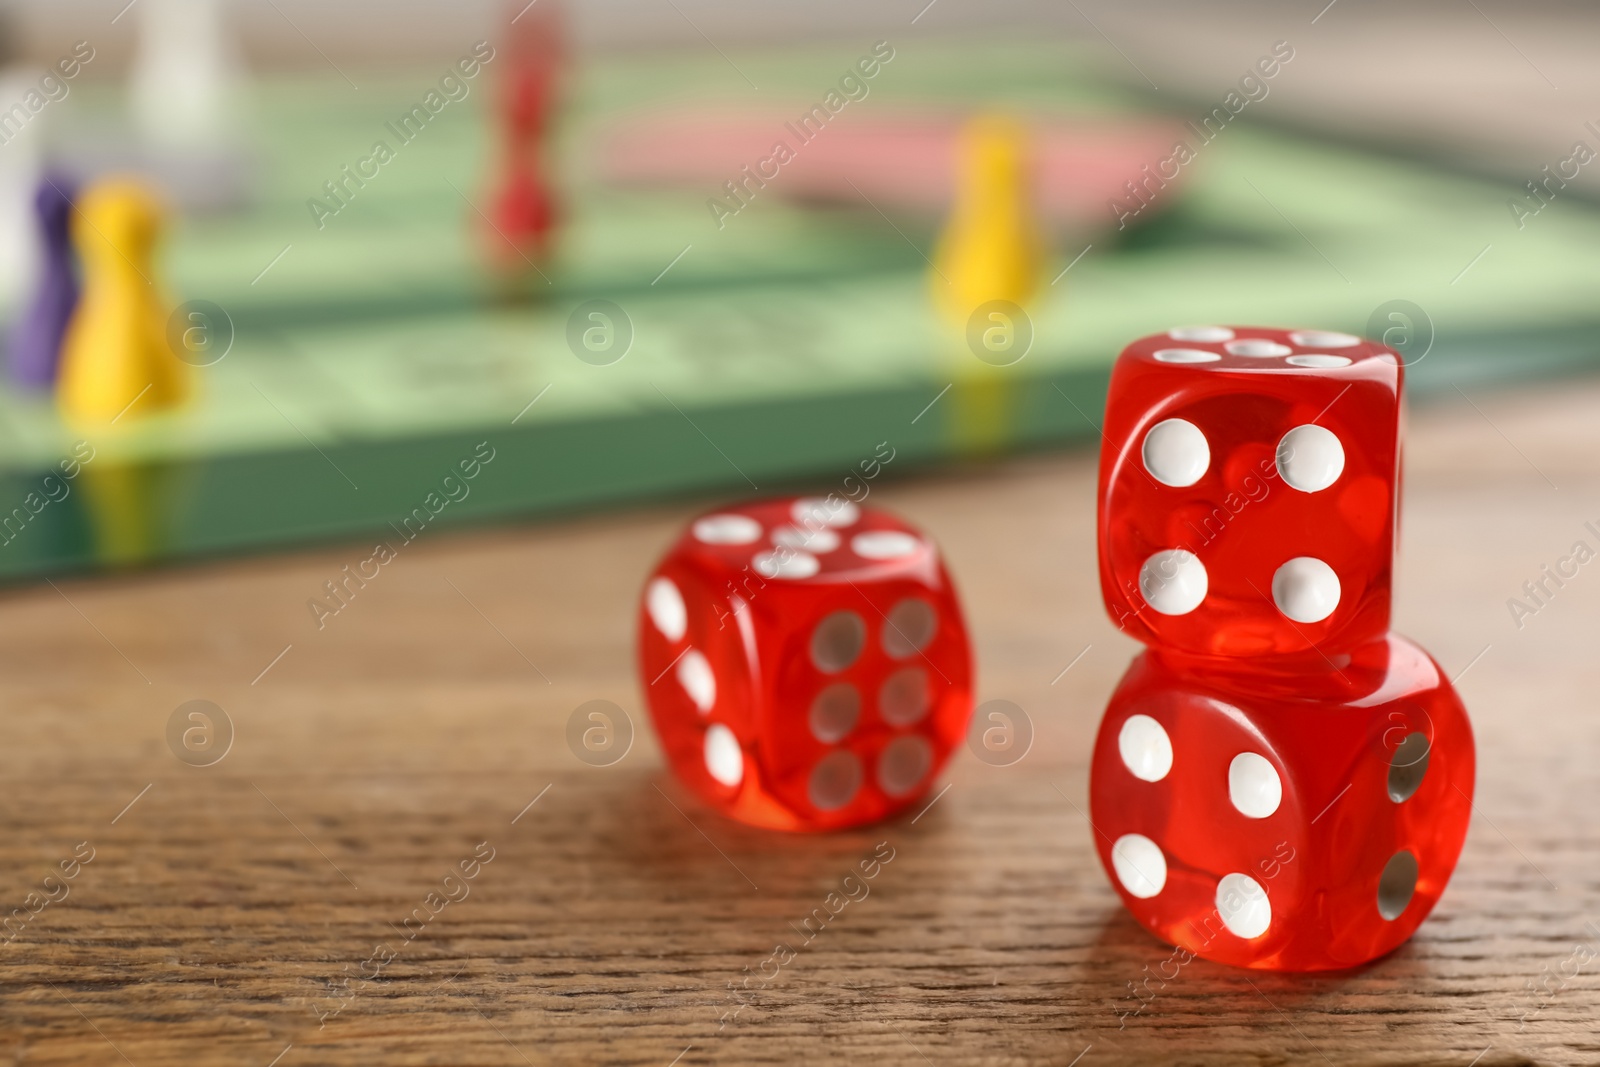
x=35 y=346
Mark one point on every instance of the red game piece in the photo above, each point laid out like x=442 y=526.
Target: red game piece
x=805 y=662
x=1278 y=782
x=1295 y=821
x=1247 y=493
x=523 y=207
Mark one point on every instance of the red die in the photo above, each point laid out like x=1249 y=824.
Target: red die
x=1281 y=819
x=1247 y=490
x=805 y=662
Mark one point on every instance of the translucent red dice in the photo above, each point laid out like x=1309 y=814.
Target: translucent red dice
x=1283 y=821
x=805 y=662
x=1248 y=490
x=1278 y=782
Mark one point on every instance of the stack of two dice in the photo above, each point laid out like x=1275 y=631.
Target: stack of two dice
x=1278 y=781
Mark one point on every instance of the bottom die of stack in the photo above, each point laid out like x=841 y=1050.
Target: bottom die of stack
x=1294 y=815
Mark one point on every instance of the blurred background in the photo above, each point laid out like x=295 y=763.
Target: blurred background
x=270 y=269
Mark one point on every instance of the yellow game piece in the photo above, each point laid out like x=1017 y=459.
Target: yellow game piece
x=115 y=351
x=990 y=250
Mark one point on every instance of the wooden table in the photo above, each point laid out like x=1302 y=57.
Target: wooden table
x=233 y=913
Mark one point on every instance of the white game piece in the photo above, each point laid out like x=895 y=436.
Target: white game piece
x=183 y=77
x=21 y=165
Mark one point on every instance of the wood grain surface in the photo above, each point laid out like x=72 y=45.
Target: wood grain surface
x=254 y=911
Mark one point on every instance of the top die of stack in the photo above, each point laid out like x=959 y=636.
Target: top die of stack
x=1248 y=494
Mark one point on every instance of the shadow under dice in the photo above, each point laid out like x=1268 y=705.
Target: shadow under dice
x=1248 y=488
x=805 y=663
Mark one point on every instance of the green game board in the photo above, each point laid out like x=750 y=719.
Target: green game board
x=374 y=355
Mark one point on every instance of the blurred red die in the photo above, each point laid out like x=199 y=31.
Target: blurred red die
x=805 y=662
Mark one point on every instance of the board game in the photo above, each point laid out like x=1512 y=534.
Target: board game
x=370 y=352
